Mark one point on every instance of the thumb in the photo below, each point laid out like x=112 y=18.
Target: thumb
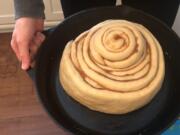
x=37 y=40
x=25 y=56
x=36 y=43
x=41 y=37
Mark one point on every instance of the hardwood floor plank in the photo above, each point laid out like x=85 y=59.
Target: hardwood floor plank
x=34 y=125
x=20 y=110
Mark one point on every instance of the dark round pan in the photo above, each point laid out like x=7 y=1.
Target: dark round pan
x=151 y=119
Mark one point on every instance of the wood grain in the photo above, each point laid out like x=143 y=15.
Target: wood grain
x=20 y=111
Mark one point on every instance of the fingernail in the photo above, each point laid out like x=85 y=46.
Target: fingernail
x=24 y=66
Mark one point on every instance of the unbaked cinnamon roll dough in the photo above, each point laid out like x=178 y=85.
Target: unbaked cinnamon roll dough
x=115 y=67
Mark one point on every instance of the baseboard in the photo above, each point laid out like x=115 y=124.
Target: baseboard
x=9 y=27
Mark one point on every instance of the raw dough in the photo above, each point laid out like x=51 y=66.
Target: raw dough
x=115 y=67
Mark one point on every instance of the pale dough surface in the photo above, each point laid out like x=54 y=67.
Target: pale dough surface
x=115 y=67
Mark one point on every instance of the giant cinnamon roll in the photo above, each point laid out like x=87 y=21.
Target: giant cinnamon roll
x=115 y=67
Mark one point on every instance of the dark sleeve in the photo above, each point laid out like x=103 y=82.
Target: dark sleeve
x=29 y=8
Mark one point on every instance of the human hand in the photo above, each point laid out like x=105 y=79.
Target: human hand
x=26 y=39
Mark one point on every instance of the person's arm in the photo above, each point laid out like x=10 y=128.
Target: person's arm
x=27 y=36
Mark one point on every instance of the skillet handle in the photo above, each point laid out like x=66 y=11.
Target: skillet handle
x=31 y=71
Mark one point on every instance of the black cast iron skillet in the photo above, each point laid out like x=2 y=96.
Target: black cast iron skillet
x=77 y=119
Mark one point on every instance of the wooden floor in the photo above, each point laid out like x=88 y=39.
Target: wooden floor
x=20 y=111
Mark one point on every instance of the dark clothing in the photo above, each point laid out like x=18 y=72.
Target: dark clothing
x=165 y=10
x=72 y=6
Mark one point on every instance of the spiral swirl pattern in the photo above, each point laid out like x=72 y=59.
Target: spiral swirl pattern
x=115 y=67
